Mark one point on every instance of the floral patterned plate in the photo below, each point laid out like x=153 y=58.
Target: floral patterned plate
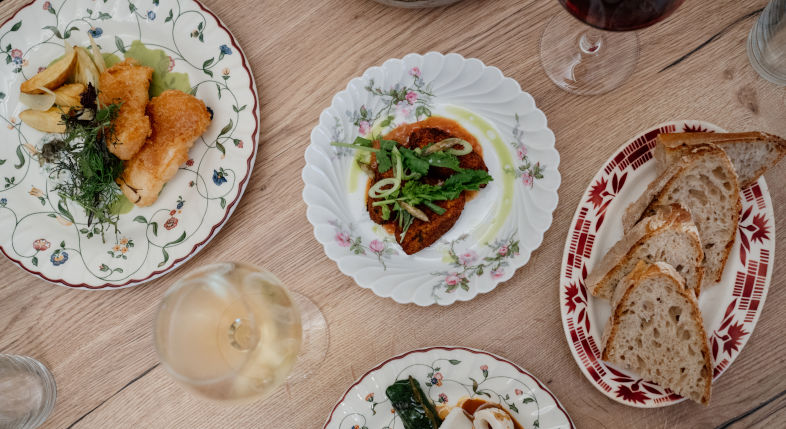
x=730 y=309
x=190 y=48
x=447 y=374
x=498 y=229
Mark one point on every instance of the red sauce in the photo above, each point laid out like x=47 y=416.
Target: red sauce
x=474 y=404
x=401 y=133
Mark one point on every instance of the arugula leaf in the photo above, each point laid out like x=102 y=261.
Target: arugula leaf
x=468 y=180
x=413 y=162
x=384 y=161
x=443 y=159
x=360 y=141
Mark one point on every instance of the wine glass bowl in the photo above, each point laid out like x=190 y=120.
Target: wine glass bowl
x=598 y=57
x=616 y=15
x=229 y=331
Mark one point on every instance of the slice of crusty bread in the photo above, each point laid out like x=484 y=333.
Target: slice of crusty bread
x=656 y=330
x=669 y=236
x=704 y=182
x=751 y=153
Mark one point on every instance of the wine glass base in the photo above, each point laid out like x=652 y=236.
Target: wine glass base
x=316 y=339
x=584 y=60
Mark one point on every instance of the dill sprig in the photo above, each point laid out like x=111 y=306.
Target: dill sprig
x=82 y=167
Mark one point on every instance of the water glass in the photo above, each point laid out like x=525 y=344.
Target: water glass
x=27 y=392
x=767 y=43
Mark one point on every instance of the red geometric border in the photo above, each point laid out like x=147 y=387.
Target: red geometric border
x=449 y=348
x=230 y=206
x=757 y=236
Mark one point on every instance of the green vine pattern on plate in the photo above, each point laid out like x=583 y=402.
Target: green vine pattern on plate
x=438 y=376
x=211 y=182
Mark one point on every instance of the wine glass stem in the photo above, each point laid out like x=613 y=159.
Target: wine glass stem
x=590 y=42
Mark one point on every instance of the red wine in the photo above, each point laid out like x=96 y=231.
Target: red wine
x=621 y=15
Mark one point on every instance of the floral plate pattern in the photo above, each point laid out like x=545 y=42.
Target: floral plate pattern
x=49 y=236
x=729 y=309
x=498 y=229
x=446 y=374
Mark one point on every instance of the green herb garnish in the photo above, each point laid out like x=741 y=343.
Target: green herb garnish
x=82 y=166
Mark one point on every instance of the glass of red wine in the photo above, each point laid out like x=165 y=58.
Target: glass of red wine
x=598 y=57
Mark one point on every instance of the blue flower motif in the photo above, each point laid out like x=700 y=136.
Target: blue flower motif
x=59 y=257
x=219 y=177
x=226 y=50
x=95 y=32
x=3 y=201
x=179 y=205
x=151 y=15
x=17 y=60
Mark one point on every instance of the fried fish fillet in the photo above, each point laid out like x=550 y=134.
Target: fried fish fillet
x=127 y=83
x=178 y=119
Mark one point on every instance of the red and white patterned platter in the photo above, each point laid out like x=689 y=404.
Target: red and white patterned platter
x=730 y=309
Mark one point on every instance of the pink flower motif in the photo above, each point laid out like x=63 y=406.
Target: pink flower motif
x=443 y=398
x=40 y=244
x=468 y=257
x=40 y=69
x=364 y=127
x=484 y=367
x=519 y=392
x=190 y=162
x=370 y=397
x=526 y=178
x=415 y=72
x=499 y=272
x=412 y=97
x=343 y=239
x=503 y=250
x=47 y=5
x=376 y=246
x=16 y=53
x=239 y=144
x=171 y=63
x=522 y=152
x=452 y=279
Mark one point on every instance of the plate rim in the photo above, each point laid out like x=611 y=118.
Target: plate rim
x=566 y=251
x=471 y=350
x=496 y=282
x=231 y=206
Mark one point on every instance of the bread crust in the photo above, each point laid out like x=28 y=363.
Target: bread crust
x=672 y=216
x=671 y=146
x=654 y=193
x=659 y=269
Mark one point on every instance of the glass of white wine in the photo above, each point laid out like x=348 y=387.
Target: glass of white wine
x=232 y=331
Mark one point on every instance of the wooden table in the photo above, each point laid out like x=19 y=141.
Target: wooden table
x=99 y=344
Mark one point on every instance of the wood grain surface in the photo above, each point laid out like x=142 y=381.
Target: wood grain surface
x=99 y=344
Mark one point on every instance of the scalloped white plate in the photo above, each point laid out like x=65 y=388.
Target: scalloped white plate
x=446 y=374
x=49 y=237
x=498 y=229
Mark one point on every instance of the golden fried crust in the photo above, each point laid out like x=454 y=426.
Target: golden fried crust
x=127 y=83
x=178 y=119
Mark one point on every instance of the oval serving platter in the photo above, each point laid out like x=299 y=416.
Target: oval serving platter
x=498 y=229
x=729 y=309
x=49 y=236
x=447 y=374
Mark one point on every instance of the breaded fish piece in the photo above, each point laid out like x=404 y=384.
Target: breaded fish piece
x=178 y=119
x=127 y=83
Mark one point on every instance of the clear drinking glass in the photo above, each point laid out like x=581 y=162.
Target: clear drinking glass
x=767 y=43
x=27 y=392
x=598 y=57
x=232 y=331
